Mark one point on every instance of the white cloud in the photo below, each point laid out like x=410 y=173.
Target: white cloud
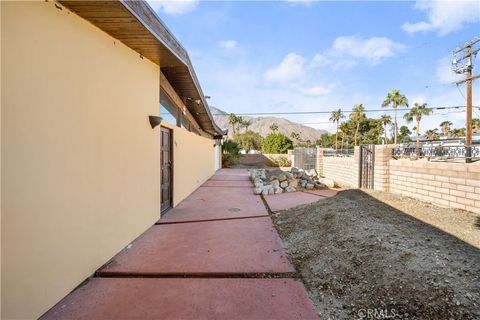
x=228 y=44
x=347 y=51
x=306 y=3
x=444 y=16
x=317 y=90
x=291 y=68
x=445 y=73
x=174 y=7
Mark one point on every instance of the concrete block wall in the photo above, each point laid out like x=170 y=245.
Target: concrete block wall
x=343 y=170
x=454 y=185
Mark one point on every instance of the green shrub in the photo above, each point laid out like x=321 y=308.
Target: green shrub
x=276 y=143
x=231 y=153
x=248 y=140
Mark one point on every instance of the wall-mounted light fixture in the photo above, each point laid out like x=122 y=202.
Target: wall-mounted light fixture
x=154 y=121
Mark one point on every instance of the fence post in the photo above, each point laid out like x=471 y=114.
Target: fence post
x=383 y=155
x=319 y=164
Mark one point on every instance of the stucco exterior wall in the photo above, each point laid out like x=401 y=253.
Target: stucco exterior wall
x=193 y=161
x=80 y=162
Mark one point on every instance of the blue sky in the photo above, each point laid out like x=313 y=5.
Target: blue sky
x=275 y=56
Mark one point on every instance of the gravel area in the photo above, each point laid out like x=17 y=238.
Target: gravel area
x=375 y=255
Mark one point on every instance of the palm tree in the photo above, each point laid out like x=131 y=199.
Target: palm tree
x=239 y=123
x=274 y=127
x=233 y=120
x=476 y=125
x=344 y=129
x=356 y=116
x=457 y=133
x=335 y=118
x=431 y=134
x=245 y=124
x=417 y=112
x=445 y=127
x=295 y=136
x=396 y=99
x=386 y=120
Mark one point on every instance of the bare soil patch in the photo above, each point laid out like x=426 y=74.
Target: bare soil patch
x=378 y=255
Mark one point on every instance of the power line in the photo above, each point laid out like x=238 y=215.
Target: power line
x=329 y=112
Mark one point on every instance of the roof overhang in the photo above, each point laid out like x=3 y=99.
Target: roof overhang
x=137 y=25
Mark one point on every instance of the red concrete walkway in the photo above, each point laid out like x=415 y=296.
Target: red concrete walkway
x=192 y=265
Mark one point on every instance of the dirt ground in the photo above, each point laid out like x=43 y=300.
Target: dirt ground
x=382 y=256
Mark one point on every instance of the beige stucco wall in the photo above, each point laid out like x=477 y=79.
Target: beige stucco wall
x=194 y=161
x=80 y=163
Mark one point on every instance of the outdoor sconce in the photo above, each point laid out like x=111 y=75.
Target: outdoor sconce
x=154 y=121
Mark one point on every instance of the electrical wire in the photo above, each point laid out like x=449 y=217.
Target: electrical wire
x=329 y=112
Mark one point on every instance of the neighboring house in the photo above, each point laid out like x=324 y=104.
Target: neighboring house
x=83 y=171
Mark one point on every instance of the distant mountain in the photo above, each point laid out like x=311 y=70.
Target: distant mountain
x=262 y=125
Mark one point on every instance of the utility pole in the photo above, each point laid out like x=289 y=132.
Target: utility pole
x=462 y=65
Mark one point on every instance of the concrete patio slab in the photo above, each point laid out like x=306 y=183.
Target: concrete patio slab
x=138 y=298
x=214 y=203
x=228 y=183
x=232 y=172
x=290 y=200
x=225 y=177
x=203 y=248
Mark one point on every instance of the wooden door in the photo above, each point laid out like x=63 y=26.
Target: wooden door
x=166 y=169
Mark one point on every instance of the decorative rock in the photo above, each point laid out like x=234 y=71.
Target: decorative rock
x=289 y=175
x=303 y=183
x=258 y=185
x=278 y=190
x=299 y=175
x=282 y=177
x=293 y=183
x=310 y=186
x=328 y=182
x=257 y=190
x=318 y=185
x=275 y=183
x=311 y=173
x=265 y=191
x=290 y=189
x=284 y=184
x=271 y=191
x=294 y=170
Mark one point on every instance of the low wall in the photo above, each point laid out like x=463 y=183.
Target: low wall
x=343 y=170
x=455 y=185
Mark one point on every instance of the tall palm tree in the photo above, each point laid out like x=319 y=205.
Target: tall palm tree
x=246 y=124
x=457 y=133
x=395 y=99
x=233 y=120
x=386 y=120
x=239 y=123
x=295 y=136
x=344 y=129
x=357 y=116
x=445 y=127
x=274 y=127
x=335 y=118
x=417 y=112
x=476 y=125
x=431 y=134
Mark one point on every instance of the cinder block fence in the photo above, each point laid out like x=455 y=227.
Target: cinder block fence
x=454 y=185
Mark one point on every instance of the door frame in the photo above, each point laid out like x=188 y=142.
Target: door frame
x=163 y=128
